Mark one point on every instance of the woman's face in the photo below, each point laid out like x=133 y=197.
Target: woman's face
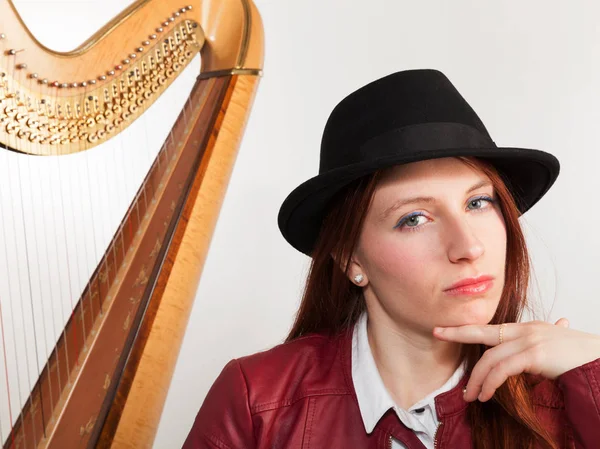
x=410 y=255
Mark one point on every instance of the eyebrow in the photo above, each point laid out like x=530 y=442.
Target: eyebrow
x=425 y=199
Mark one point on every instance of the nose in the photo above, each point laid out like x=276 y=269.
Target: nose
x=463 y=243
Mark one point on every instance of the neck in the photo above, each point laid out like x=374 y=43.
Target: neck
x=412 y=362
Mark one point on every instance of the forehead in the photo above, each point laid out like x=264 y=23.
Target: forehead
x=430 y=181
x=443 y=172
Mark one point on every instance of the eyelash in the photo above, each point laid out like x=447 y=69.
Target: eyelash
x=403 y=221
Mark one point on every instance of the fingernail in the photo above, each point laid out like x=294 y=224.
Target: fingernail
x=440 y=330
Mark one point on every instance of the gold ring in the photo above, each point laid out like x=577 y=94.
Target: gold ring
x=501 y=332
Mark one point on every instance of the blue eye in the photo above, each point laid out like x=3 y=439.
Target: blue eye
x=480 y=198
x=413 y=218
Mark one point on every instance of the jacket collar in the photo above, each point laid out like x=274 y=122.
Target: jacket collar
x=447 y=403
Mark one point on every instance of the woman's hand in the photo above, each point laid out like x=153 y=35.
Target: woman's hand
x=534 y=347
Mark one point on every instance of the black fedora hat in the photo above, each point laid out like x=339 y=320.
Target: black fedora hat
x=404 y=117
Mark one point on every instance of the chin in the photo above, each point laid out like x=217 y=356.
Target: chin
x=476 y=313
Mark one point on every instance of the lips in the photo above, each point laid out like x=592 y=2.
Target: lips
x=470 y=281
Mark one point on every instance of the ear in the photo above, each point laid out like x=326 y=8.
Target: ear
x=357 y=270
x=354 y=270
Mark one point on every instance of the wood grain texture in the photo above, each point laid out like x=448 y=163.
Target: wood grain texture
x=141 y=416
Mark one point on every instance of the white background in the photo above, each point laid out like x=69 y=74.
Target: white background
x=531 y=70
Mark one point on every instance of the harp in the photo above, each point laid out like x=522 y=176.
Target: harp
x=89 y=332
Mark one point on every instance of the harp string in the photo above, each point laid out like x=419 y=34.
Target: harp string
x=56 y=337
x=35 y=87
x=6 y=383
x=68 y=271
x=87 y=288
x=12 y=67
x=8 y=298
x=17 y=76
x=5 y=371
x=32 y=243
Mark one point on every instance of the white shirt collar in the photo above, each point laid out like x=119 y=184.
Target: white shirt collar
x=373 y=397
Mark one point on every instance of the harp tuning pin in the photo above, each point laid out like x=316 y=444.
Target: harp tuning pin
x=64 y=85
x=33 y=76
x=152 y=36
x=182 y=10
x=165 y=24
x=102 y=77
x=177 y=14
x=22 y=66
x=55 y=84
x=159 y=30
x=83 y=84
x=110 y=72
x=118 y=67
x=2 y=36
x=43 y=81
x=171 y=19
x=189 y=7
x=126 y=61
x=133 y=56
x=146 y=42
x=139 y=49
x=92 y=81
x=74 y=84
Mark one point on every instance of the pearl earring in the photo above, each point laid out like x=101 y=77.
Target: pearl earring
x=358 y=278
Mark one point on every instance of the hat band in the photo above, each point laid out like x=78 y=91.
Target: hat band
x=414 y=139
x=424 y=137
x=410 y=141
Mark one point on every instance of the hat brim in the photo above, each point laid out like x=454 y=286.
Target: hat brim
x=528 y=173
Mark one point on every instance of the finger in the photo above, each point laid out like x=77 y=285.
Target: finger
x=487 y=334
x=511 y=366
x=490 y=358
x=562 y=322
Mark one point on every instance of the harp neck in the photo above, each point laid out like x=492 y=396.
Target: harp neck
x=58 y=103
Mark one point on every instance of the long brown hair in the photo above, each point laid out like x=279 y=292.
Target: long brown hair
x=331 y=303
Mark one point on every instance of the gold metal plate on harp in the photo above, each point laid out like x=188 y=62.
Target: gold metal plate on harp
x=101 y=379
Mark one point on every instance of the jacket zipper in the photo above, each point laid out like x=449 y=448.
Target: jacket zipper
x=434 y=437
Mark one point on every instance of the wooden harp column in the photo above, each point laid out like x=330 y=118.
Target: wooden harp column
x=135 y=307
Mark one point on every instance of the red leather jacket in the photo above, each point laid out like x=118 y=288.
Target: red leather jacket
x=300 y=395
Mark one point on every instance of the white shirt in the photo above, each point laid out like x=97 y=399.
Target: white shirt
x=374 y=399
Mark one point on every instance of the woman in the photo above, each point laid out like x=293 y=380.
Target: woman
x=409 y=332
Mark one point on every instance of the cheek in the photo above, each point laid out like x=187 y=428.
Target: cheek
x=494 y=235
x=401 y=263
